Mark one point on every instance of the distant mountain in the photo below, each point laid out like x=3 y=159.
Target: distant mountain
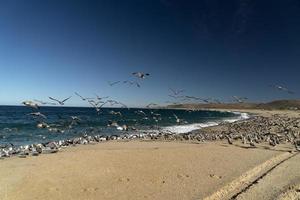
x=273 y=105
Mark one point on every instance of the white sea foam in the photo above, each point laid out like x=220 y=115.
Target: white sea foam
x=191 y=127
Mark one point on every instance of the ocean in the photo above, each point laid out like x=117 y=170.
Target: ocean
x=20 y=128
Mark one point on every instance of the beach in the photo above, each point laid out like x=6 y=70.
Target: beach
x=147 y=169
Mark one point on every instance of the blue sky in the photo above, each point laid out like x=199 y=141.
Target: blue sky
x=209 y=48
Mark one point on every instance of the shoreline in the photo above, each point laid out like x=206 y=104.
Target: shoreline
x=35 y=149
x=180 y=166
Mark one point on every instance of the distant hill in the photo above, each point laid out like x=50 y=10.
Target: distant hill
x=273 y=105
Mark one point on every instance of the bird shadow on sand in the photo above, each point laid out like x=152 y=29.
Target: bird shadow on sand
x=263 y=147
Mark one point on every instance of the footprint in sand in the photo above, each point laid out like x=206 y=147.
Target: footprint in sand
x=215 y=176
x=92 y=189
x=123 y=179
x=180 y=176
x=52 y=189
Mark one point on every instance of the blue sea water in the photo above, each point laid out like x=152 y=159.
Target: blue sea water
x=19 y=128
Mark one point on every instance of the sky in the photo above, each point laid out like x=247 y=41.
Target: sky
x=210 y=48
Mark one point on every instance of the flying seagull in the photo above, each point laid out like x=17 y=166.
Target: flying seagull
x=44 y=102
x=132 y=82
x=60 y=102
x=140 y=75
x=278 y=87
x=82 y=98
x=239 y=99
x=176 y=92
x=38 y=114
x=151 y=104
x=115 y=113
x=31 y=104
x=113 y=83
x=100 y=98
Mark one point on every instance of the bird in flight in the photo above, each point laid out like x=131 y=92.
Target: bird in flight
x=113 y=83
x=239 y=99
x=82 y=98
x=175 y=91
x=31 y=104
x=60 y=102
x=100 y=98
x=278 y=87
x=44 y=102
x=132 y=82
x=140 y=75
x=151 y=104
x=38 y=114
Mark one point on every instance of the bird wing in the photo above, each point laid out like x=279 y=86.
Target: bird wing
x=54 y=99
x=66 y=99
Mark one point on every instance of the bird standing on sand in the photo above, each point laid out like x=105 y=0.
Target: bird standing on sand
x=60 y=102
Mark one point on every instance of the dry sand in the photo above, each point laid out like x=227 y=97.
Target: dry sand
x=132 y=170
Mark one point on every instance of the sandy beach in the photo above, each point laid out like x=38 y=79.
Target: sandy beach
x=155 y=170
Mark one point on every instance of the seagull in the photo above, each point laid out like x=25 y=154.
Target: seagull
x=82 y=98
x=75 y=118
x=192 y=97
x=175 y=97
x=113 y=83
x=140 y=112
x=38 y=114
x=132 y=82
x=44 y=102
x=177 y=119
x=100 y=98
x=31 y=104
x=60 y=102
x=115 y=113
x=151 y=104
x=140 y=75
x=278 y=87
x=239 y=99
x=176 y=92
x=96 y=105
